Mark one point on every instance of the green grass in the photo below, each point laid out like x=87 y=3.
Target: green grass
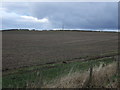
x=20 y=77
x=0 y=82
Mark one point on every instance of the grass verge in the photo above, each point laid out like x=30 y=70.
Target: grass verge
x=37 y=76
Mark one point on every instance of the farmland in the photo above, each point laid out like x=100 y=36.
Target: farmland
x=29 y=48
x=37 y=59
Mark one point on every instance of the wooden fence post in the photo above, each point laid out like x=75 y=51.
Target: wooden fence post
x=90 y=76
x=41 y=78
x=88 y=82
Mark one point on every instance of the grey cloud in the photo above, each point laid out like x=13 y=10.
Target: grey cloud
x=81 y=15
x=77 y=15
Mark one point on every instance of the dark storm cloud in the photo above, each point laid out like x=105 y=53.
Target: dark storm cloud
x=78 y=15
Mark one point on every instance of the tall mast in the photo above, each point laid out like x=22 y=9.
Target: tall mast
x=63 y=24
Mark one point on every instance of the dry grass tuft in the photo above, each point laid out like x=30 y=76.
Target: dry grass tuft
x=102 y=77
x=74 y=80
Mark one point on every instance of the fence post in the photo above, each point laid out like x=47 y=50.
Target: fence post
x=91 y=72
x=90 y=76
x=41 y=78
x=88 y=82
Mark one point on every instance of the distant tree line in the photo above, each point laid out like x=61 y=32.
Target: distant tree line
x=51 y=30
x=16 y=30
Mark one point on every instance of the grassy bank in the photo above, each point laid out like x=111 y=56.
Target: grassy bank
x=38 y=76
x=102 y=77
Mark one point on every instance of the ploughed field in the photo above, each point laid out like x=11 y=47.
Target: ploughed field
x=26 y=48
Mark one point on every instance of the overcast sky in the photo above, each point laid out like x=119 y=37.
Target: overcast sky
x=51 y=15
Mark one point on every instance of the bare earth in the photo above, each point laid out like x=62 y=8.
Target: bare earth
x=25 y=48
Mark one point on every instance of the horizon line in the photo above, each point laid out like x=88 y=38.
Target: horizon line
x=60 y=30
